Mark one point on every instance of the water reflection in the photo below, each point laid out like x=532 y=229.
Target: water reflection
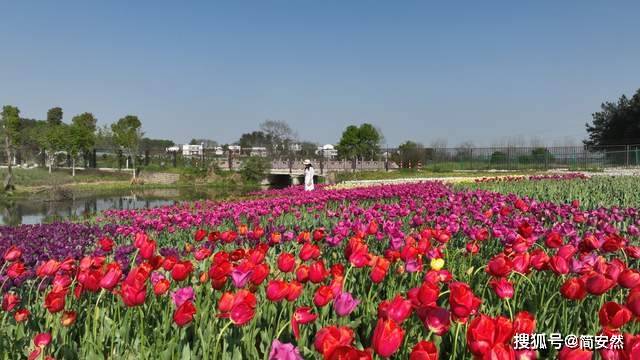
x=79 y=206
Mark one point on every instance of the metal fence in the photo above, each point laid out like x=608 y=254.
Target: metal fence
x=461 y=158
x=511 y=158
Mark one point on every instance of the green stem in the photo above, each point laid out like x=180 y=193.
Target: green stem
x=220 y=336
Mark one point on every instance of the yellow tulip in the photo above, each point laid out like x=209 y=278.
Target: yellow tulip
x=437 y=264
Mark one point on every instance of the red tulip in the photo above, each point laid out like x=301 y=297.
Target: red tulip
x=462 y=300
x=357 y=252
x=184 y=313
x=302 y=273
x=613 y=315
x=12 y=254
x=54 y=301
x=539 y=259
x=286 y=262
x=48 y=268
x=573 y=289
x=148 y=249
x=309 y=251
x=111 y=277
x=436 y=319
x=633 y=301
x=629 y=278
x=317 y=272
x=42 y=339
x=323 y=296
x=277 y=290
x=302 y=315
x=200 y=235
x=424 y=350
x=68 y=318
x=598 y=284
x=90 y=279
x=181 y=270
x=499 y=266
x=239 y=307
x=424 y=296
x=330 y=337
x=524 y=323
x=397 y=309
x=502 y=287
x=10 y=301
x=574 y=354
x=553 y=240
x=259 y=273
x=133 y=294
x=387 y=337
x=379 y=270
x=343 y=352
x=161 y=287
x=15 y=269
x=106 y=244
x=202 y=253
x=490 y=337
x=295 y=290
x=21 y=315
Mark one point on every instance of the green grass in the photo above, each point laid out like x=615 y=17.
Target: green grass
x=592 y=193
x=41 y=176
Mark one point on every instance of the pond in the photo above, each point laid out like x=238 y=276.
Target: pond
x=79 y=206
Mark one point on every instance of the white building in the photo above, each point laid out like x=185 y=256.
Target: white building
x=192 y=150
x=258 y=151
x=328 y=150
x=234 y=149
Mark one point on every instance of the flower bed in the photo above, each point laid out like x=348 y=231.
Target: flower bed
x=415 y=271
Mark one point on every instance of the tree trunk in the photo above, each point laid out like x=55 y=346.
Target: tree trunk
x=73 y=166
x=133 y=162
x=8 y=181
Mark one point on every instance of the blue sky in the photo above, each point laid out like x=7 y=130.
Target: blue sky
x=421 y=70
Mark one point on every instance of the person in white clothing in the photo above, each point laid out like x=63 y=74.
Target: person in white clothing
x=308 y=175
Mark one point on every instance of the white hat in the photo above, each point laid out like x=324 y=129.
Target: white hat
x=307 y=162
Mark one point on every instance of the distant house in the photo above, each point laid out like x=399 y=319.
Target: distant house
x=328 y=151
x=218 y=150
x=173 y=149
x=192 y=150
x=296 y=147
x=258 y=151
x=234 y=149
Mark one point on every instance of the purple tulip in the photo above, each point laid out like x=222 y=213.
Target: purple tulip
x=344 y=304
x=183 y=295
x=284 y=351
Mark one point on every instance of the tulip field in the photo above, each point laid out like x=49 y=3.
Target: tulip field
x=413 y=271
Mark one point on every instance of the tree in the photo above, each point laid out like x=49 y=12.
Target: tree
x=11 y=130
x=359 y=143
x=410 y=154
x=280 y=134
x=80 y=137
x=255 y=168
x=53 y=138
x=208 y=144
x=255 y=139
x=54 y=116
x=127 y=134
x=616 y=123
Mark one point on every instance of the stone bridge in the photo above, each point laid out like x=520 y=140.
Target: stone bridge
x=283 y=172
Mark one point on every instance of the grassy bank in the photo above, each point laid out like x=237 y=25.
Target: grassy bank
x=39 y=182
